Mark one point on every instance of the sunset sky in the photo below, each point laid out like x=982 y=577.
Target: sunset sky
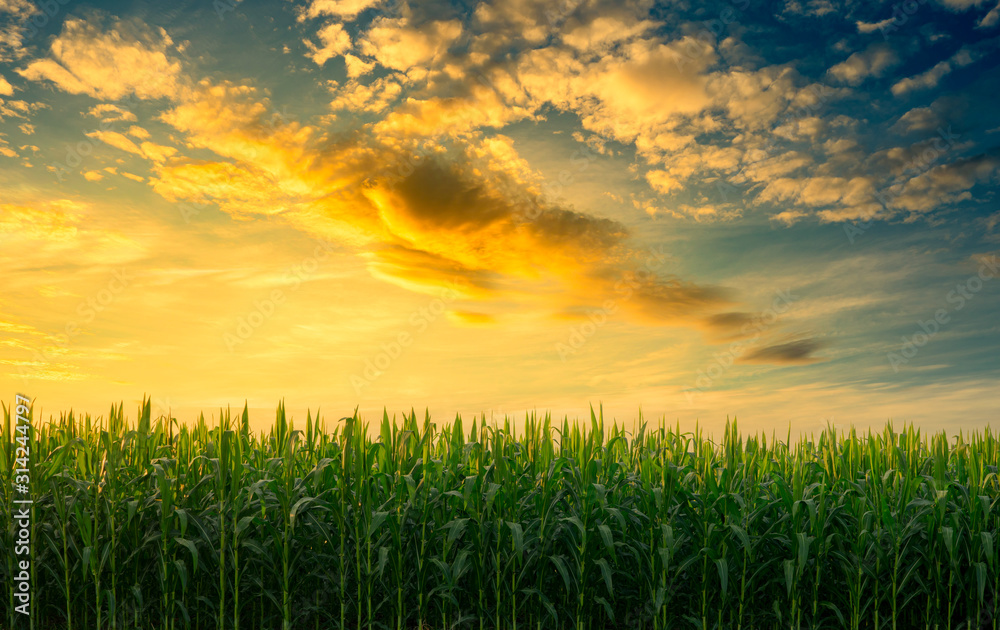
x=785 y=212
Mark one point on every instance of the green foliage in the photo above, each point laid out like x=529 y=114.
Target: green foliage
x=159 y=524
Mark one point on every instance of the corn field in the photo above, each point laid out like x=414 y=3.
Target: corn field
x=165 y=525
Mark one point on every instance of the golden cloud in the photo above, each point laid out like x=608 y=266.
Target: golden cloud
x=109 y=63
x=468 y=215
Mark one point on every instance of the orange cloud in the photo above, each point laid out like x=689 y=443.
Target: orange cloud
x=471 y=318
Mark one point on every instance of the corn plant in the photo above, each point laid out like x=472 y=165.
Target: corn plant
x=501 y=523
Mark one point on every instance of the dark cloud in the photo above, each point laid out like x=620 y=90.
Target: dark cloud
x=792 y=353
x=729 y=325
x=439 y=197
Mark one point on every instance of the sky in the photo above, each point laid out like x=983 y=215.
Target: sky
x=783 y=212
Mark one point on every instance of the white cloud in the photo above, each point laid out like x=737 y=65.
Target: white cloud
x=156 y=152
x=397 y=45
x=374 y=97
x=663 y=183
x=357 y=67
x=148 y=150
x=917 y=119
x=334 y=41
x=755 y=99
x=109 y=113
x=604 y=31
x=127 y=58
x=945 y=184
x=870 y=27
x=789 y=217
x=872 y=62
x=961 y=5
x=345 y=9
x=991 y=19
x=932 y=77
x=816 y=8
x=5 y=150
x=116 y=140
x=630 y=96
x=16 y=14
x=15 y=109
x=819 y=191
